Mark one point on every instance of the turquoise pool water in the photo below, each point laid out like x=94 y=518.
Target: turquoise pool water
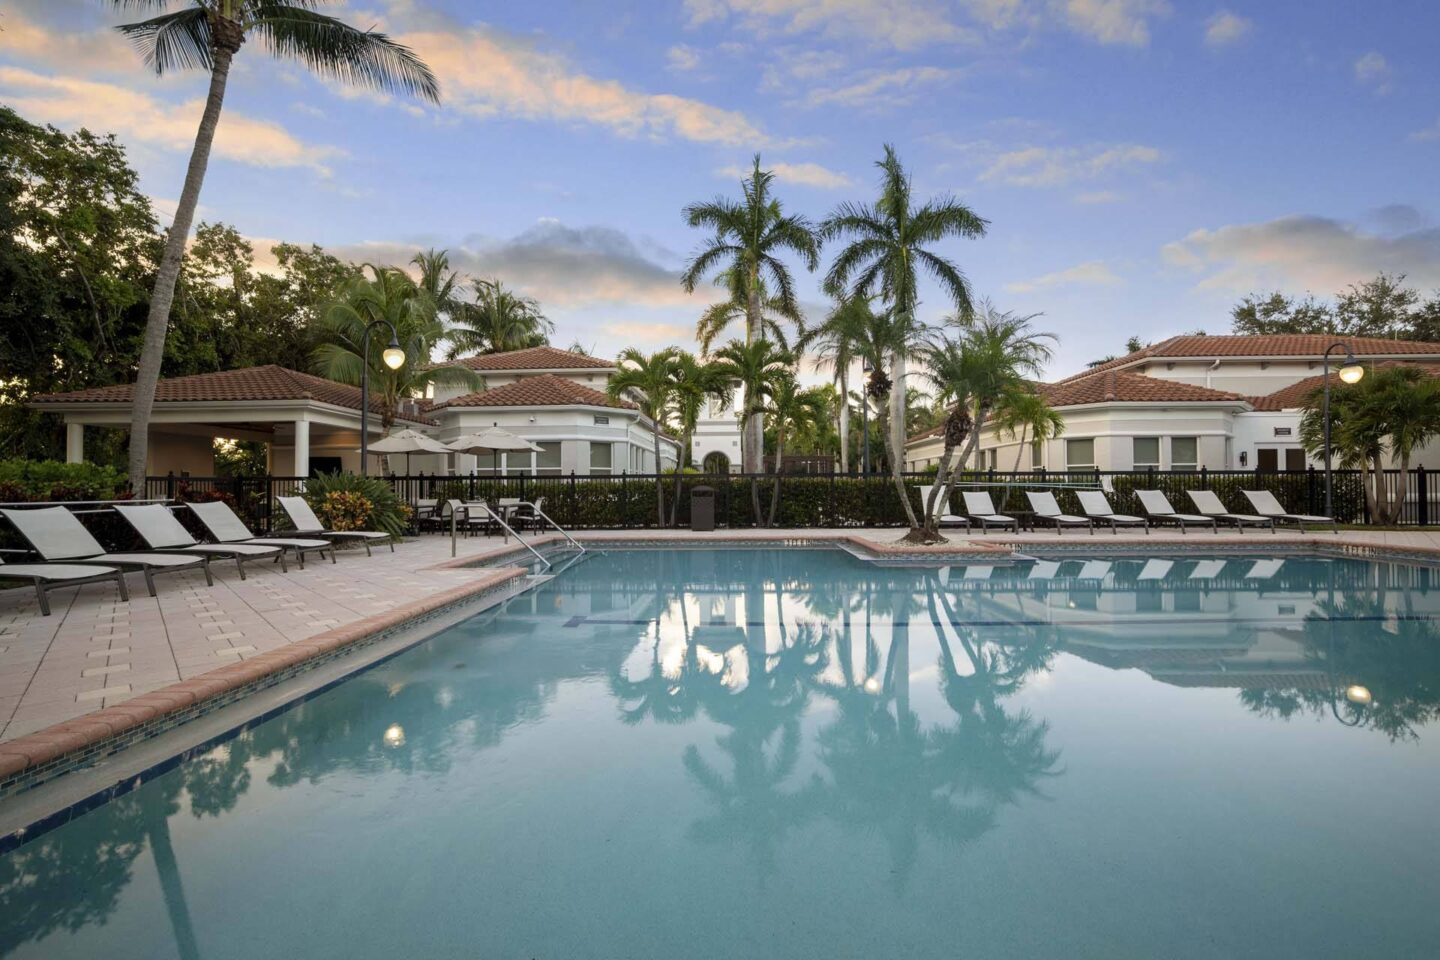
x=765 y=754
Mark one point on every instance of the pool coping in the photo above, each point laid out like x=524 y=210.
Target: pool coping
x=29 y=761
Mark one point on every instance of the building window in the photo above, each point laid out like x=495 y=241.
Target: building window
x=1080 y=454
x=1037 y=455
x=547 y=461
x=1184 y=453
x=994 y=454
x=600 y=458
x=1147 y=452
x=487 y=464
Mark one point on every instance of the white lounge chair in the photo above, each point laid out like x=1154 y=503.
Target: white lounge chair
x=1046 y=507
x=226 y=528
x=160 y=530
x=1210 y=505
x=1267 y=505
x=1207 y=569
x=1097 y=507
x=947 y=518
x=1264 y=569
x=1094 y=570
x=57 y=535
x=45 y=577
x=1155 y=569
x=982 y=510
x=1157 y=508
x=309 y=525
x=1044 y=570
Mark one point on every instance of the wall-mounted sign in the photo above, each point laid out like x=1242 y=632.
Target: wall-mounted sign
x=1282 y=431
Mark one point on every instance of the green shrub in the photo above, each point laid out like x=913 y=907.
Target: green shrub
x=33 y=480
x=361 y=503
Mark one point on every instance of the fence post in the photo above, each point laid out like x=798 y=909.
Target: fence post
x=169 y=486
x=1310 y=490
x=1424 y=489
x=833 y=508
x=625 y=499
x=1204 y=478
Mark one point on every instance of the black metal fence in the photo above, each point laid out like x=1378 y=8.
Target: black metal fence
x=628 y=501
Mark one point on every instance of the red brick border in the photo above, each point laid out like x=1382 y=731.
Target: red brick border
x=45 y=745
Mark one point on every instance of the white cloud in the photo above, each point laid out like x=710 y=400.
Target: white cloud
x=1373 y=70
x=901 y=24
x=486 y=73
x=139 y=118
x=682 y=58
x=1426 y=134
x=1057 y=166
x=1094 y=273
x=561 y=266
x=1114 y=21
x=805 y=174
x=632 y=332
x=92 y=50
x=1303 y=253
x=881 y=88
x=1225 y=28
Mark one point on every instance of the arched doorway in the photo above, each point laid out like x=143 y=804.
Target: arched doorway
x=715 y=462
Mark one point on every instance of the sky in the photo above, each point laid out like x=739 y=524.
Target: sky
x=1142 y=163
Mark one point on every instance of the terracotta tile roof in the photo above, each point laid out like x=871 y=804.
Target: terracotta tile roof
x=269 y=382
x=535 y=358
x=1117 y=386
x=542 y=390
x=1275 y=345
x=1294 y=396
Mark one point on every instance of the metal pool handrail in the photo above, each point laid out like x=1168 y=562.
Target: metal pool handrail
x=500 y=520
x=546 y=517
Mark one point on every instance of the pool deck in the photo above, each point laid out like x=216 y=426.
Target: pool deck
x=96 y=652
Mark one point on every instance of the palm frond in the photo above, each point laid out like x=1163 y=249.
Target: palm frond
x=173 y=41
x=335 y=49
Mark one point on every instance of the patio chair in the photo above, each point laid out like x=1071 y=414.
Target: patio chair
x=523 y=515
x=1210 y=504
x=466 y=521
x=1096 y=506
x=308 y=525
x=1266 y=505
x=45 y=577
x=226 y=528
x=1158 y=510
x=158 y=527
x=56 y=534
x=981 y=509
x=1046 y=507
x=946 y=517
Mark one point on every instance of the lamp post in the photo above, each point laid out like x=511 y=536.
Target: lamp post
x=394 y=357
x=1350 y=372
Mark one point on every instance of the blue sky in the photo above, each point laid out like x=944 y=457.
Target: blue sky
x=1143 y=163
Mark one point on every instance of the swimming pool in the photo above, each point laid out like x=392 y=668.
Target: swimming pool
x=795 y=753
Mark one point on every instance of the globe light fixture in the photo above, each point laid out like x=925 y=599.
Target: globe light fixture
x=1351 y=372
x=394 y=358
x=394 y=735
x=1359 y=695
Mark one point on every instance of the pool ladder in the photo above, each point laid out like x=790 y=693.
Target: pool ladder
x=510 y=531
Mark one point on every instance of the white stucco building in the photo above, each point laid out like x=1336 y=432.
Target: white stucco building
x=1219 y=402
x=551 y=397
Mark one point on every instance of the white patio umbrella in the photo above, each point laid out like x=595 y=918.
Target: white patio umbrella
x=491 y=440
x=408 y=441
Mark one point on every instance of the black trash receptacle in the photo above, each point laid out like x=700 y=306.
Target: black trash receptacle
x=702 y=508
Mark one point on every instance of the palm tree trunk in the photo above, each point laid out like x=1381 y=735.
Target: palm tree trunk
x=659 y=477
x=157 y=324
x=896 y=474
x=754 y=457
x=897 y=408
x=844 y=420
x=679 y=472
x=779 y=461
x=981 y=410
x=1020 y=454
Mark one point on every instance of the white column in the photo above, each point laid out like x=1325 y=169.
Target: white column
x=302 y=448
x=74 y=442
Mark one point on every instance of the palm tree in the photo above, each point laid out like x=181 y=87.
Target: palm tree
x=749 y=238
x=757 y=366
x=440 y=283
x=207 y=34
x=1026 y=416
x=790 y=407
x=388 y=293
x=498 y=320
x=994 y=354
x=695 y=384
x=887 y=251
x=719 y=316
x=886 y=337
x=648 y=381
x=838 y=342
